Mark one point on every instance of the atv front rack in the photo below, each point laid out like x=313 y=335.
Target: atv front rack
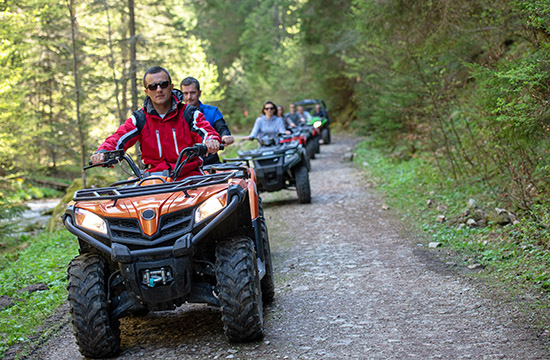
x=192 y=182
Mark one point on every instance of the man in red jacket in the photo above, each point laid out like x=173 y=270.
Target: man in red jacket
x=163 y=128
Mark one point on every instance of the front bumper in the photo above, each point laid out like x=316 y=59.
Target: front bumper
x=182 y=246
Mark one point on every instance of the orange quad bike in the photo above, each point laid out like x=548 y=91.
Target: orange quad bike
x=153 y=243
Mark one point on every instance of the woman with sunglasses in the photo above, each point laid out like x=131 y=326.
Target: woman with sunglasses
x=268 y=124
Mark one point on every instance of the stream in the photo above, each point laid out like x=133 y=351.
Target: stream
x=33 y=219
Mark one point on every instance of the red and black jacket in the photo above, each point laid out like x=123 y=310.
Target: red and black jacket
x=162 y=139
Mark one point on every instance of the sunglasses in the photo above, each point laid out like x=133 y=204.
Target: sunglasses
x=163 y=85
x=269 y=108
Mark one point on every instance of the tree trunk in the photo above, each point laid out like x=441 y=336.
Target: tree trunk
x=53 y=133
x=133 y=65
x=133 y=70
x=76 y=91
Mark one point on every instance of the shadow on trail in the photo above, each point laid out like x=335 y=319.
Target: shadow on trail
x=280 y=202
x=191 y=323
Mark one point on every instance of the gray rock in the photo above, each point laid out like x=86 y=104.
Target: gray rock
x=472 y=204
x=471 y=223
x=348 y=156
x=474 y=266
x=34 y=287
x=478 y=215
x=7 y=301
x=501 y=217
x=434 y=244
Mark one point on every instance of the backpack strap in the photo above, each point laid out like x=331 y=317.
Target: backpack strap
x=139 y=116
x=190 y=114
x=178 y=94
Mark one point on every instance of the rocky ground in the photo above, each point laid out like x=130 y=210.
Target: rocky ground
x=351 y=283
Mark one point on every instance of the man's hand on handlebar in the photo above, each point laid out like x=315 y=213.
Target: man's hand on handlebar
x=212 y=145
x=97 y=158
x=227 y=140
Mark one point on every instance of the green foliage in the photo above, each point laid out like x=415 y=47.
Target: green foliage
x=44 y=261
x=463 y=85
x=325 y=43
x=537 y=14
x=38 y=110
x=461 y=81
x=535 y=226
x=514 y=94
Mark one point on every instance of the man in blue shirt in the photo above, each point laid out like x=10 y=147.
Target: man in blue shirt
x=192 y=92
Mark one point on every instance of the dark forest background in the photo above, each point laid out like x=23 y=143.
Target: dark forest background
x=463 y=84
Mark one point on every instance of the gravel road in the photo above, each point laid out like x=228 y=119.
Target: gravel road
x=351 y=283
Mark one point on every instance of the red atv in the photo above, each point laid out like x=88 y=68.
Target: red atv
x=308 y=136
x=152 y=243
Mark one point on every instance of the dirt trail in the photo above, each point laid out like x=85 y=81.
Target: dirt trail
x=349 y=285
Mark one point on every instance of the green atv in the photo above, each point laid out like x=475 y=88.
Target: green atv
x=322 y=123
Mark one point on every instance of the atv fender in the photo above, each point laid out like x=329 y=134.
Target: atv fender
x=253 y=197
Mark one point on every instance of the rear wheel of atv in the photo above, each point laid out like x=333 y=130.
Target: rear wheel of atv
x=301 y=176
x=239 y=290
x=325 y=135
x=310 y=149
x=267 y=283
x=97 y=333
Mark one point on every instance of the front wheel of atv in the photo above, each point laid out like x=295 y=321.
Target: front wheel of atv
x=325 y=136
x=317 y=145
x=267 y=283
x=97 y=333
x=239 y=290
x=310 y=149
x=301 y=176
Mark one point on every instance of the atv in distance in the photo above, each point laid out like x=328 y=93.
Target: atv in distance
x=153 y=243
x=279 y=165
x=308 y=136
x=319 y=122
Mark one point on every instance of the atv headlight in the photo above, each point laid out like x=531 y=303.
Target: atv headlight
x=211 y=206
x=90 y=221
x=317 y=124
x=289 y=156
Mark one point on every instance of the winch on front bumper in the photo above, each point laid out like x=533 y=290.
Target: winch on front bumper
x=158 y=280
